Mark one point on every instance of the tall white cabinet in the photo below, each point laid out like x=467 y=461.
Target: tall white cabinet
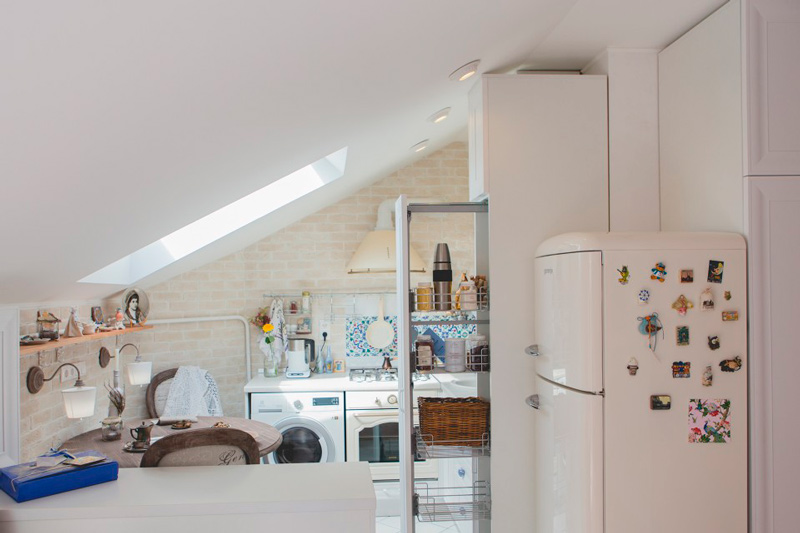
x=730 y=160
x=542 y=153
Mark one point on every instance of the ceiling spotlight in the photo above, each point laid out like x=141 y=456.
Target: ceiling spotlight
x=467 y=71
x=420 y=146
x=439 y=115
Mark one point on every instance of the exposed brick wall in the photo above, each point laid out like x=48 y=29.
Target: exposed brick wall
x=309 y=255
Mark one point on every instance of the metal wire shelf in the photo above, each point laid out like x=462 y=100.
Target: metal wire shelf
x=448 y=504
x=428 y=448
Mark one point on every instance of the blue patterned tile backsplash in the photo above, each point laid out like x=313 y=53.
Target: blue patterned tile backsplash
x=356 y=344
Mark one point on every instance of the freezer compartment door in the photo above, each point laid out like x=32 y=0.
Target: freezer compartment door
x=569 y=323
x=569 y=461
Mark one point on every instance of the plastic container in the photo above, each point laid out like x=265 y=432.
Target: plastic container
x=455 y=355
x=423 y=348
x=477 y=353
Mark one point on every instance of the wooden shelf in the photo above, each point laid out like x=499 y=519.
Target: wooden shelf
x=66 y=341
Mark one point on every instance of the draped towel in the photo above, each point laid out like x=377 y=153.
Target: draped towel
x=281 y=331
x=193 y=392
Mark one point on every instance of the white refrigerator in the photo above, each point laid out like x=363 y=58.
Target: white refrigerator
x=641 y=400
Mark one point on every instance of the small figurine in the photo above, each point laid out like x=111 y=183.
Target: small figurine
x=682 y=304
x=119 y=319
x=708 y=377
x=624 y=275
x=707 y=300
x=731 y=365
x=659 y=272
x=633 y=366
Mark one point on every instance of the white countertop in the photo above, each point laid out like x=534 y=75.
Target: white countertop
x=206 y=490
x=329 y=383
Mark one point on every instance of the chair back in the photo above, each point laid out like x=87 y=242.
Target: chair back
x=157 y=391
x=203 y=447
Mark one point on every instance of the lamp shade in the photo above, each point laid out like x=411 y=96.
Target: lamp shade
x=139 y=373
x=376 y=254
x=79 y=401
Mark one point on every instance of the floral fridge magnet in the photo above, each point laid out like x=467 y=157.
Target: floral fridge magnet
x=715 y=270
x=659 y=272
x=643 y=297
x=682 y=304
x=709 y=421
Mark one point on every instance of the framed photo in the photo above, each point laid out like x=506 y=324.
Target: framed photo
x=97 y=315
x=135 y=306
x=687 y=276
x=304 y=325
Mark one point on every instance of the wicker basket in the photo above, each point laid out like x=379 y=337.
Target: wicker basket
x=454 y=421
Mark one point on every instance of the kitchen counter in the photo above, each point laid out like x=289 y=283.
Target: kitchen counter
x=330 y=497
x=328 y=382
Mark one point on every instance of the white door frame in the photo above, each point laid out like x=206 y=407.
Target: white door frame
x=9 y=386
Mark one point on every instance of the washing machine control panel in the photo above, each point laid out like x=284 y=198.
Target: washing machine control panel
x=325 y=401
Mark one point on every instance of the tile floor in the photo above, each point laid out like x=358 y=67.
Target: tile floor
x=391 y=524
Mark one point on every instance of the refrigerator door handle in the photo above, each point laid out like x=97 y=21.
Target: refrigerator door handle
x=571 y=389
x=532 y=350
x=533 y=401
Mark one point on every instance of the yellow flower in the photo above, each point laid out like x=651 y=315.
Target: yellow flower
x=267 y=328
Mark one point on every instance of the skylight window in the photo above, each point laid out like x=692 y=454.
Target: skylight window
x=222 y=222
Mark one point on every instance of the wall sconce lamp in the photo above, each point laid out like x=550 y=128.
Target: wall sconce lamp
x=78 y=401
x=138 y=372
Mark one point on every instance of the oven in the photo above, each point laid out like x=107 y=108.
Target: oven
x=372 y=434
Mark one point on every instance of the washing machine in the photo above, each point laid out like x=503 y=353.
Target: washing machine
x=312 y=425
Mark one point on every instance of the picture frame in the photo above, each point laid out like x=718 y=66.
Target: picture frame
x=97 y=315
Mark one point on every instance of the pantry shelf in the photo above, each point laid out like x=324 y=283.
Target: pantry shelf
x=449 y=504
x=428 y=448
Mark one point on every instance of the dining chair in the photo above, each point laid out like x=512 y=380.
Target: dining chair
x=157 y=390
x=203 y=447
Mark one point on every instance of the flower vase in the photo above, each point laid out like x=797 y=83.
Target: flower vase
x=270 y=358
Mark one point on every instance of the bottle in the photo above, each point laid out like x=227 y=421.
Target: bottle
x=423 y=347
x=328 y=361
x=442 y=278
x=306 y=303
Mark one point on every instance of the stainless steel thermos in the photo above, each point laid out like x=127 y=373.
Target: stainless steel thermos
x=442 y=278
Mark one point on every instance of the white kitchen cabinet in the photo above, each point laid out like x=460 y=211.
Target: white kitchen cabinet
x=772 y=77
x=773 y=221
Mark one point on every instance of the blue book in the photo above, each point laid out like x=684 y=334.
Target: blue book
x=27 y=481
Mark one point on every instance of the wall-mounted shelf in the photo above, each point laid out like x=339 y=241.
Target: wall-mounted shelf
x=67 y=341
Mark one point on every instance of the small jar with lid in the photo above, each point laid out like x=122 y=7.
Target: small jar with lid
x=424 y=296
x=468 y=296
x=306 y=303
x=477 y=353
x=455 y=355
x=423 y=348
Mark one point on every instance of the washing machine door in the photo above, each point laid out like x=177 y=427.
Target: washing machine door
x=304 y=441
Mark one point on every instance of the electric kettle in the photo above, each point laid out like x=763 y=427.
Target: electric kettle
x=299 y=356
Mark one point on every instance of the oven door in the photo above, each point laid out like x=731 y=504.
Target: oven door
x=372 y=436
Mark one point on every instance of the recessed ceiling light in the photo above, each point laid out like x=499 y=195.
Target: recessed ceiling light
x=439 y=115
x=420 y=146
x=467 y=71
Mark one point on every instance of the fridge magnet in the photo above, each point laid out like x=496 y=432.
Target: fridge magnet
x=708 y=377
x=660 y=402
x=624 y=275
x=682 y=304
x=731 y=365
x=713 y=342
x=644 y=297
x=730 y=316
x=682 y=335
x=650 y=325
x=633 y=366
x=709 y=421
x=687 y=276
x=707 y=300
x=715 y=271
x=681 y=369
x=659 y=272
x=727 y=295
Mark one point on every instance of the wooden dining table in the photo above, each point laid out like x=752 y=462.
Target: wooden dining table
x=267 y=437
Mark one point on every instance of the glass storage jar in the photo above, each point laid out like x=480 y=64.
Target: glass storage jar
x=477 y=353
x=423 y=348
x=111 y=428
